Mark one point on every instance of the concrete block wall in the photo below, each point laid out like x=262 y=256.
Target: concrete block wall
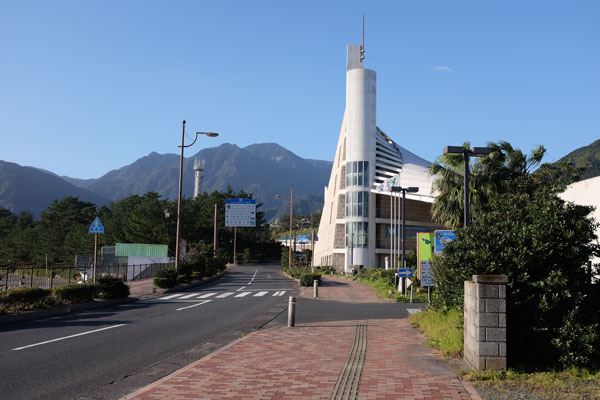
x=485 y=322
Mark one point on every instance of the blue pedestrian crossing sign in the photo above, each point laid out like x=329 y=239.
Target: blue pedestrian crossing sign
x=96 y=226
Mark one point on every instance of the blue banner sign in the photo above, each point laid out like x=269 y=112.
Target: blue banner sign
x=441 y=239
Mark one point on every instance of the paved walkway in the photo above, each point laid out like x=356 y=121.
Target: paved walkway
x=343 y=289
x=367 y=359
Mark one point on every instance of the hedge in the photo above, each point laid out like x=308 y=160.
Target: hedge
x=110 y=287
x=75 y=293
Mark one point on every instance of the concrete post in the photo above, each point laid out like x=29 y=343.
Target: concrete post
x=292 y=312
x=316 y=285
x=485 y=322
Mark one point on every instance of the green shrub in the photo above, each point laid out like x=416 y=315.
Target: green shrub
x=110 y=287
x=326 y=269
x=196 y=276
x=75 y=293
x=542 y=244
x=24 y=299
x=183 y=279
x=308 y=278
x=166 y=278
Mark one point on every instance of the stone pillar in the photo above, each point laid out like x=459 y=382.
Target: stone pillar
x=485 y=322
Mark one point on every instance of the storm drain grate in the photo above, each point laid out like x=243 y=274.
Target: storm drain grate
x=348 y=382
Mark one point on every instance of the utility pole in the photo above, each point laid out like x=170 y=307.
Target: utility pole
x=215 y=233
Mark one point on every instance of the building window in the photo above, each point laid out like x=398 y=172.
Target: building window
x=357 y=204
x=357 y=173
x=361 y=236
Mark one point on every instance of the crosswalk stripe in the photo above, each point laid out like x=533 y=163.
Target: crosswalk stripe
x=242 y=294
x=260 y=294
x=206 y=295
x=221 y=296
x=279 y=293
x=189 y=296
x=171 y=296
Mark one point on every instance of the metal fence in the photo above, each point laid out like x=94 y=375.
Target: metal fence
x=50 y=277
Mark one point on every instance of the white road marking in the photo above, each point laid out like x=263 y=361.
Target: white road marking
x=206 y=295
x=189 y=296
x=68 y=337
x=195 y=305
x=171 y=296
x=242 y=294
x=279 y=293
x=260 y=294
x=240 y=289
x=221 y=296
x=413 y=310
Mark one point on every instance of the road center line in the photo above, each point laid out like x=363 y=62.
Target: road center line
x=68 y=337
x=194 y=305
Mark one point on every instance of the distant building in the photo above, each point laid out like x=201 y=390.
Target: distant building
x=356 y=225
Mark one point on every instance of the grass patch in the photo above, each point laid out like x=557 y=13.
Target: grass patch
x=444 y=330
x=572 y=384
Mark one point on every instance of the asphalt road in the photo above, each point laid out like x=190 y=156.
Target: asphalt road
x=108 y=353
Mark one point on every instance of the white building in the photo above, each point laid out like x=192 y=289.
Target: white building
x=359 y=225
x=586 y=193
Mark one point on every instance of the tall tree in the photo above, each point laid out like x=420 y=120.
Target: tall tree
x=56 y=222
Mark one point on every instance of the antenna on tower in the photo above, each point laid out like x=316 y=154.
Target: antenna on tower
x=362 y=48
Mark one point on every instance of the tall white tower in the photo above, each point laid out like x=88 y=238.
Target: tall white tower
x=198 y=170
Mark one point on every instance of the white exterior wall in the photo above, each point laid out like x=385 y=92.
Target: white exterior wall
x=360 y=146
x=586 y=193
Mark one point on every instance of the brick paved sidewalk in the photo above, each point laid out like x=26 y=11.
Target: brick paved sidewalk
x=343 y=289
x=305 y=362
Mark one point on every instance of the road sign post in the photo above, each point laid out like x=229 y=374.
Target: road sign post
x=239 y=212
x=96 y=228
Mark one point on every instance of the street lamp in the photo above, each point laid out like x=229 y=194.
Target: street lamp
x=467 y=153
x=183 y=146
x=291 y=213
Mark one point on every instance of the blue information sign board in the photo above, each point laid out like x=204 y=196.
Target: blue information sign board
x=240 y=212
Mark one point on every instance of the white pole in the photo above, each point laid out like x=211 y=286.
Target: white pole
x=391 y=263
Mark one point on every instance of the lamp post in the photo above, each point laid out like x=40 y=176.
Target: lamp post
x=183 y=146
x=291 y=214
x=404 y=190
x=467 y=153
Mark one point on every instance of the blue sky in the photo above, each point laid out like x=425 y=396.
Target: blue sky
x=90 y=86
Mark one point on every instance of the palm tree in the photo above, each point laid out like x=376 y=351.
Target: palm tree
x=505 y=169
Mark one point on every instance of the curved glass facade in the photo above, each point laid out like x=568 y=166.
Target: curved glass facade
x=357 y=173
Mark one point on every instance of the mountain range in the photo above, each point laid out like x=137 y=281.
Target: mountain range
x=263 y=169
x=587 y=157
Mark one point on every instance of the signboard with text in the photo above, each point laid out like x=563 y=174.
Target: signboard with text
x=240 y=212
x=425 y=254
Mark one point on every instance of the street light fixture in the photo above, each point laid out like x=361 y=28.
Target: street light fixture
x=404 y=190
x=291 y=213
x=467 y=153
x=183 y=146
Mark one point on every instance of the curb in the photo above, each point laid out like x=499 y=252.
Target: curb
x=76 y=308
